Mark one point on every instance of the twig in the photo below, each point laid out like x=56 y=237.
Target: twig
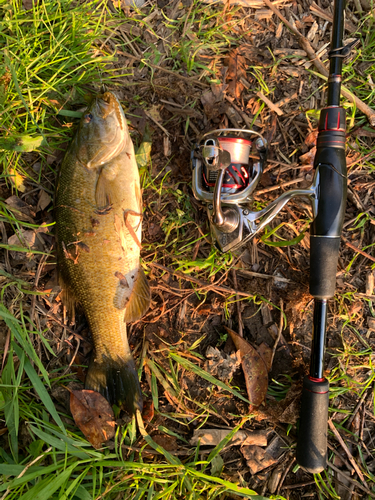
x=297 y=485
x=157 y=123
x=355 y=411
x=341 y=457
x=328 y=17
x=350 y=480
x=154 y=66
x=354 y=198
x=5 y=241
x=287 y=469
x=350 y=245
x=27 y=468
x=244 y=116
x=36 y=281
x=279 y=331
x=287 y=99
x=203 y=284
x=270 y=104
x=284 y=184
x=238 y=305
x=346 y=449
x=253 y=274
x=59 y=322
x=306 y=46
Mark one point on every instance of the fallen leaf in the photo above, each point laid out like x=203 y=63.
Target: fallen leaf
x=212 y=437
x=143 y=155
x=93 y=415
x=148 y=411
x=23 y=211
x=217 y=466
x=254 y=368
x=286 y=410
x=27 y=4
x=311 y=138
x=257 y=459
x=167 y=147
x=236 y=70
x=154 y=112
x=308 y=158
x=220 y=364
x=44 y=200
x=209 y=101
x=169 y=443
x=17 y=179
x=265 y=353
x=23 y=239
x=22 y=144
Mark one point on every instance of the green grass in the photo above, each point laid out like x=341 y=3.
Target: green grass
x=52 y=59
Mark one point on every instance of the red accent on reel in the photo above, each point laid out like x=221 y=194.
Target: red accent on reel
x=212 y=184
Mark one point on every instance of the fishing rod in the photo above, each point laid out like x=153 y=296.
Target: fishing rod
x=225 y=178
x=325 y=233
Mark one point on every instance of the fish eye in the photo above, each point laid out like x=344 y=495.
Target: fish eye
x=87 y=118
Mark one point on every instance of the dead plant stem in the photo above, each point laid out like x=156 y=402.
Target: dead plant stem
x=306 y=46
x=347 y=451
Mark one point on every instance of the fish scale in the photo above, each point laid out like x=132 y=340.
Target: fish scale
x=98 y=256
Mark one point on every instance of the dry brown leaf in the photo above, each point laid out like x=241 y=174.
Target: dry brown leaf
x=44 y=200
x=23 y=211
x=17 y=179
x=220 y=364
x=93 y=415
x=212 y=437
x=286 y=410
x=308 y=158
x=311 y=138
x=25 y=239
x=210 y=104
x=236 y=70
x=169 y=443
x=265 y=353
x=148 y=411
x=257 y=459
x=254 y=368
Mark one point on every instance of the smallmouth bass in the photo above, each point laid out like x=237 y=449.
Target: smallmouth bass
x=98 y=209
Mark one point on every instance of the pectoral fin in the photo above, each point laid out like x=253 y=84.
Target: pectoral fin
x=102 y=192
x=139 y=300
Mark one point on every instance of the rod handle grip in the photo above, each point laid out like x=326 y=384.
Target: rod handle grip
x=312 y=437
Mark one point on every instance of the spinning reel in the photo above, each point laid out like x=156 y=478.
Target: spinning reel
x=225 y=177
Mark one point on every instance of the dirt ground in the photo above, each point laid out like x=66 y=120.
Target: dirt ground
x=178 y=109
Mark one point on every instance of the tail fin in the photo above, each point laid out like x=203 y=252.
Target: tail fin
x=116 y=380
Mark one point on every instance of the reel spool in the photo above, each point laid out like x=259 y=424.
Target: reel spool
x=224 y=178
x=238 y=175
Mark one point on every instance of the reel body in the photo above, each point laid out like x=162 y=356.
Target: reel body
x=224 y=178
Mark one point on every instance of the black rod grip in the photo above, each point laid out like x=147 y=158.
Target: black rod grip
x=312 y=436
x=324 y=255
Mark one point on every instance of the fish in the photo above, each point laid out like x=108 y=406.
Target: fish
x=98 y=214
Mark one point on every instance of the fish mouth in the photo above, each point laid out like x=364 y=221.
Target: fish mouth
x=108 y=104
